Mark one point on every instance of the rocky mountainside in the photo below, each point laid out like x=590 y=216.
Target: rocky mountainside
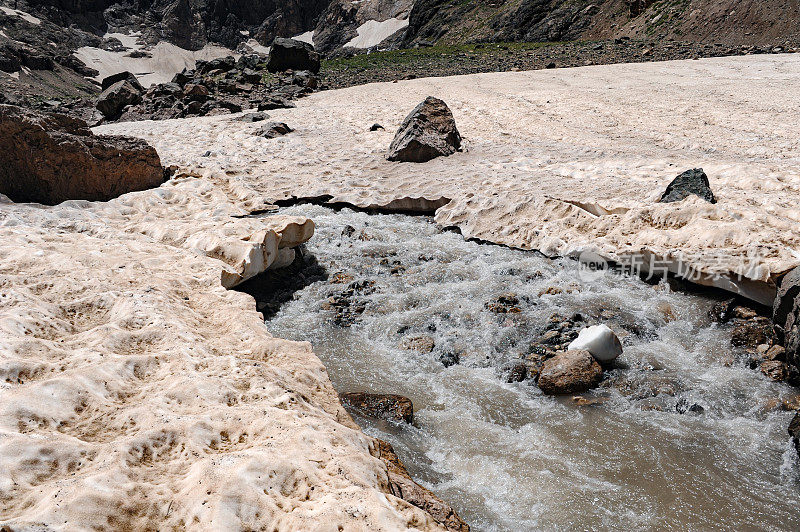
x=752 y=22
x=48 y=48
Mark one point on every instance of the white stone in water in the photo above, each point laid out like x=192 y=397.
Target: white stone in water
x=600 y=341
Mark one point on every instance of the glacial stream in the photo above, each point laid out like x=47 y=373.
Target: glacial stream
x=503 y=454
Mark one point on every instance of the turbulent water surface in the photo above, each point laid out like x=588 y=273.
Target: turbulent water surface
x=506 y=456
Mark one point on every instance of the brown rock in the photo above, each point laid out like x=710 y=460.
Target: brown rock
x=752 y=333
x=421 y=344
x=570 y=372
x=775 y=370
x=382 y=406
x=507 y=303
x=50 y=158
x=429 y=131
x=402 y=486
x=195 y=92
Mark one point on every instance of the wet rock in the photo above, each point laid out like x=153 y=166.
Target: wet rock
x=791 y=404
x=348 y=305
x=449 y=358
x=507 y=303
x=401 y=485
x=685 y=407
x=517 y=373
x=689 y=182
x=775 y=370
x=290 y=54
x=794 y=431
x=273 y=130
x=420 y=344
x=50 y=158
x=115 y=98
x=570 y=372
x=722 y=311
x=121 y=76
x=588 y=401
x=429 y=131
x=644 y=385
x=382 y=406
x=744 y=313
x=752 y=333
x=600 y=341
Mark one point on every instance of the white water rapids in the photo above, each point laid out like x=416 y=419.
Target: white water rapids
x=503 y=454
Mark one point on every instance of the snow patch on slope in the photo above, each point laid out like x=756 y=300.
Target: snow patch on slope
x=25 y=16
x=372 y=32
x=164 y=62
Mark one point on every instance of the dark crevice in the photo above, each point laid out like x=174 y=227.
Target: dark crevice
x=272 y=288
x=396 y=206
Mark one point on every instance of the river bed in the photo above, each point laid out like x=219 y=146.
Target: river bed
x=503 y=454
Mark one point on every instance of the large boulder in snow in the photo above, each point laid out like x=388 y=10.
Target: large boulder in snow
x=600 y=341
x=50 y=158
x=573 y=371
x=690 y=182
x=290 y=54
x=428 y=132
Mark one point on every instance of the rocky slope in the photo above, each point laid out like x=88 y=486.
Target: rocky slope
x=751 y=22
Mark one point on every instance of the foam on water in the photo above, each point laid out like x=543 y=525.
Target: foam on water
x=508 y=457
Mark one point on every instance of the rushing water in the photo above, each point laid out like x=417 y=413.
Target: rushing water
x=506 y=456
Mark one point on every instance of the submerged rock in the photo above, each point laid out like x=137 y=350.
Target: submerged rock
x=690 y=182
x=600 y=341
x=570 y=372
x=429 y=131
x=50 y=158
x=684 y=407
x=290 y=54
x=382 y=406
x=420 y=344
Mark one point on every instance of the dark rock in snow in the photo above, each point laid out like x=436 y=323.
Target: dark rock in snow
x=429 y=131
x=690 y=182
x=50 y=158
x=273 y=129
